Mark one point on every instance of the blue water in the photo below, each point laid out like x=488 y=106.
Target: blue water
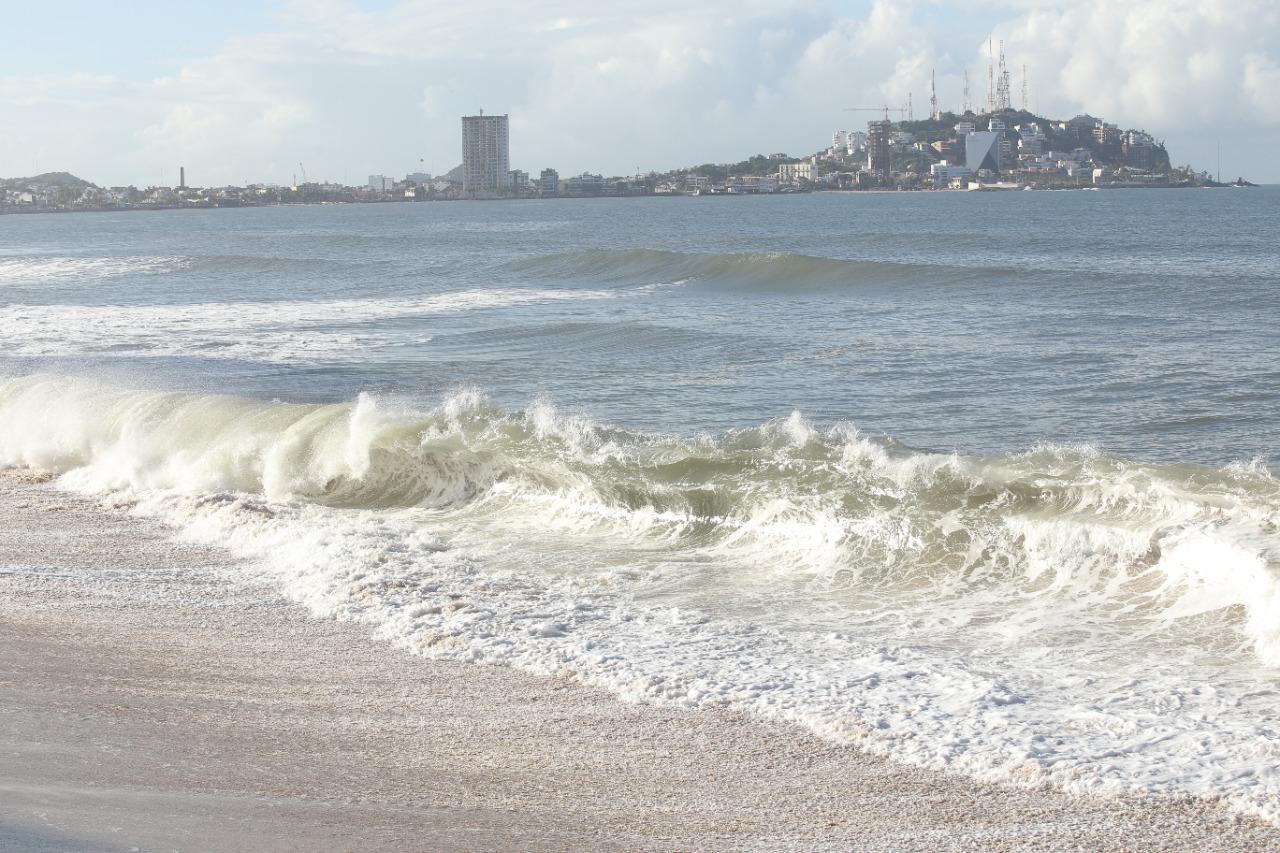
x=1141 y=322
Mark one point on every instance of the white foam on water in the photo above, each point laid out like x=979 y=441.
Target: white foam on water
x=1051 y=618
x=274 y=332
x=40 y=268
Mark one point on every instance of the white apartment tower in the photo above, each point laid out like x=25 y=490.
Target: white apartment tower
x=486 y=166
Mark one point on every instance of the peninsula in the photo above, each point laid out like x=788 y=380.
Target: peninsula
x=1001 y=149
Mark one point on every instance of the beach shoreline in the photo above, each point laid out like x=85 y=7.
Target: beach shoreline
x=150 y=702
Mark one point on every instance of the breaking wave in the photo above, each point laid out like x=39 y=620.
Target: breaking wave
x=19 y=269
x=1147 y=544
x=270 y=331
x=1057 y=616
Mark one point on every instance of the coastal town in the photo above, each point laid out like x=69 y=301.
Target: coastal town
x=997 y=149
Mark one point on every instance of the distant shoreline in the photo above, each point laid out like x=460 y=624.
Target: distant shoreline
x=979 y=190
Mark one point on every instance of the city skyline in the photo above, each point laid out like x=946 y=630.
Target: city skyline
x=352 y=89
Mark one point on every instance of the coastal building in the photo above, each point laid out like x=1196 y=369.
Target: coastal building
x=586 y=184
x=519 y=180
x=752 y=184
x=794 y=173
x=486 y=166
x=1106 y=134
x=1031 y=139
x=1138 y=150
x=381 y=183
x=945 y=173
x=549 y=182
x=963 y=127
x=982 y=151
x=879 y=148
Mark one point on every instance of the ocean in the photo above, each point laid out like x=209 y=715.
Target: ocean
x=982 y=481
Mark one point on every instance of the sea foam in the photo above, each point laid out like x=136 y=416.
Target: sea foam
x=274 y=332
x=1056 y=617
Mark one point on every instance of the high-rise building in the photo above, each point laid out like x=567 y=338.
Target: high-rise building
x=486 y=163
x=880 y=148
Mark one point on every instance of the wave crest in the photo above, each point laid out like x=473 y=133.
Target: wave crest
x=995 y=549
x=754 y=271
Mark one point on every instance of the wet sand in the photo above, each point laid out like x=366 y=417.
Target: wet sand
x=148 y=702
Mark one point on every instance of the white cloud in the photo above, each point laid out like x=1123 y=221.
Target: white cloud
x=653 y=84
x=1171 y=65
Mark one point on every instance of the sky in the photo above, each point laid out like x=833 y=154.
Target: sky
x=241 y=91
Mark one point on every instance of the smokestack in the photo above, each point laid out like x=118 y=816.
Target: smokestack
x=182 y=177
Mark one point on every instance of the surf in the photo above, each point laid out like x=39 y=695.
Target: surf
x=913 y=603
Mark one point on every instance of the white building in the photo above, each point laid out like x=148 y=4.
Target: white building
x=964 y=127
x=486 y=158
x=793 y=173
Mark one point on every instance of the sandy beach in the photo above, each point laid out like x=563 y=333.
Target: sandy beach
x=148 y=704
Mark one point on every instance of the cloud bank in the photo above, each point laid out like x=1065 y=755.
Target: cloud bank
x=349 y=91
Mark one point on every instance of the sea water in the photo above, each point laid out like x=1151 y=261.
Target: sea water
x=983 y=482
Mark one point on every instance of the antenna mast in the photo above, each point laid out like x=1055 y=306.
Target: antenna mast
x=1004 y=97
x=991 y=78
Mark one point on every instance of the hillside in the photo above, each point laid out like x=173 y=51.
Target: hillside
x=1057 y=137
x=61 y=180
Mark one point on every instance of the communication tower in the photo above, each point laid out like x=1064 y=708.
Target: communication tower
x=991 y=78
x=1004 y=97
x=934 y=112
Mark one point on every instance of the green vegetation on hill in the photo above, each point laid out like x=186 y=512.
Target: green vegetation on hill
x=758 y=165
x=64 y=180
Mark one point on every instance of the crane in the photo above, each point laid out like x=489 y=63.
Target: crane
x=885 y=109
x=302 y=169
